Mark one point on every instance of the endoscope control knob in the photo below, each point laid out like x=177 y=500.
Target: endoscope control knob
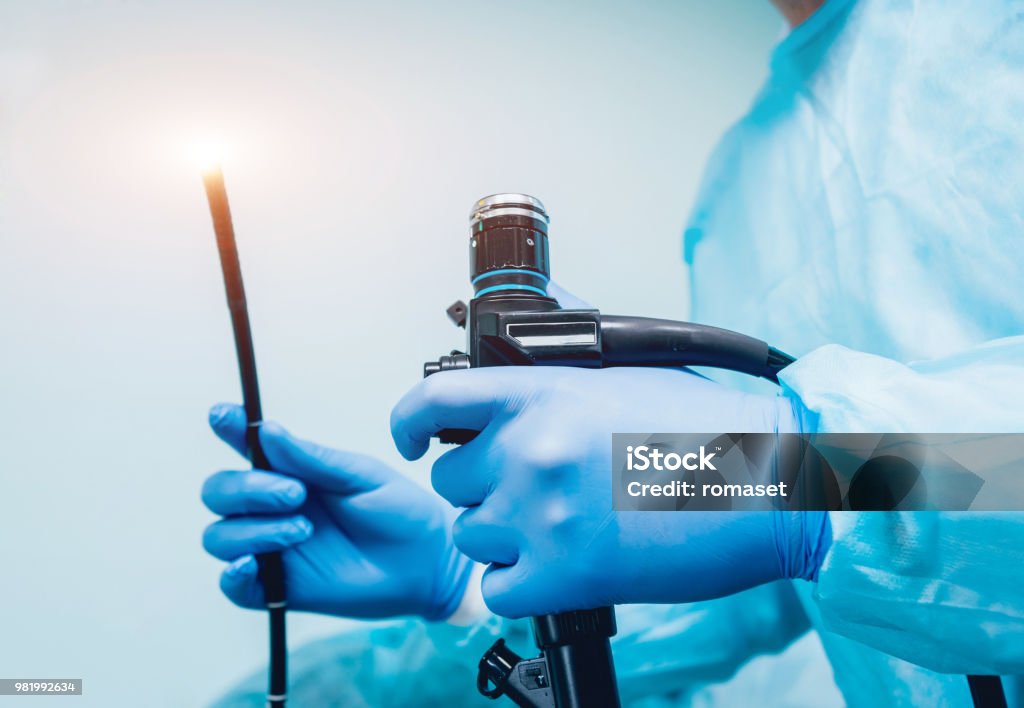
x=502 y=672
x=457 y=313
x=456 y=360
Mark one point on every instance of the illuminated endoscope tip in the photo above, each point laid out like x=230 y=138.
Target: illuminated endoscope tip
x=208 y=155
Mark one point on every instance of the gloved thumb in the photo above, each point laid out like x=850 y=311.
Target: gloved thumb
x=336 y=471
x=228 y=422
x=240 y=582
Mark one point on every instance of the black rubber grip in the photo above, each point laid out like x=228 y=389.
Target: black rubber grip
x=645 y=341
x=457 y=436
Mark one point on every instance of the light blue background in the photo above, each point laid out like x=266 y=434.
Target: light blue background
x=358 y=136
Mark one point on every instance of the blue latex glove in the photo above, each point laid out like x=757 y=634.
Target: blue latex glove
x=358 y=539
x=537 y=481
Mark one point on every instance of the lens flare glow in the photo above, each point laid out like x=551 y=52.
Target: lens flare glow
x=207 y=155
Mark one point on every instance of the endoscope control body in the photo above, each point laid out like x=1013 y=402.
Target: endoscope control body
x=511 y=321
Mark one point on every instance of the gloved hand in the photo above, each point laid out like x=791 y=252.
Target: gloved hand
x=537 y=484
x=358 y=539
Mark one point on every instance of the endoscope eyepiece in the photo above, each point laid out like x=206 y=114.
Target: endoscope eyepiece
x=508 y=246
x=508 y=203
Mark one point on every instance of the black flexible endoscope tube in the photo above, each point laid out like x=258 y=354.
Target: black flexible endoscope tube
x=271 y=569
x=987 y=691
x=645 y=341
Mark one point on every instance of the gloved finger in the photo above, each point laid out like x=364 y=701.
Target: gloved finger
x=451 y=399
x=566 y=299
x=482 y=534
x=461 y=477
x=337 y=471
x=240 y=582
x=252 y=492
x=503 y=589
x=229 y=423
x=229 y=539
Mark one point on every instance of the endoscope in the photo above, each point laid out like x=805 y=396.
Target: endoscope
x=271 y=567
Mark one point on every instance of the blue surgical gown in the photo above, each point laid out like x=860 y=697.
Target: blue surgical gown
x=866 y=216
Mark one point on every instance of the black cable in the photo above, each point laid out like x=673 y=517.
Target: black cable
x=645 y=341
x=987 y=691
x=271 y=569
